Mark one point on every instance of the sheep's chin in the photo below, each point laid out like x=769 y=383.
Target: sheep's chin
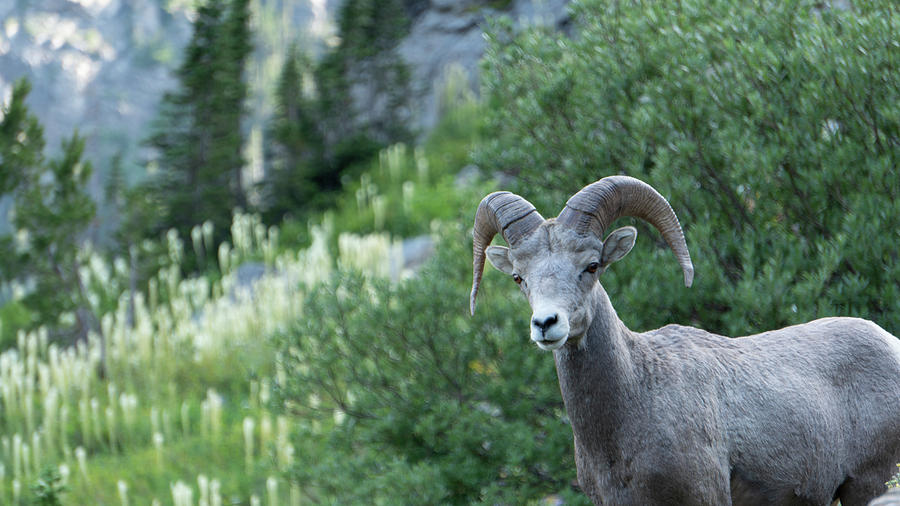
x=548 y=345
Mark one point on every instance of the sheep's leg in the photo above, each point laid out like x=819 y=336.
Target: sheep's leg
x=859 y=490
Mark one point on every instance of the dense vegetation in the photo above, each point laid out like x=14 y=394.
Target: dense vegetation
x=773 y=128
x=288 y=356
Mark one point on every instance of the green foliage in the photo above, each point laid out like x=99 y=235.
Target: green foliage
x=198 y=137
x=52 y=212
x=298 y=179
x=21 y=139
x=894 y=482
x=21 y=149
x=48 y=488
x=772 y=127
x=412 y=401
x=14 y=316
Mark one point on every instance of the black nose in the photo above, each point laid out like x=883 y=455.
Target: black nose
x=547 y=323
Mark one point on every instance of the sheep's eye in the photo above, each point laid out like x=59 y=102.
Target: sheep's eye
x=517 y=279
x=592 y=267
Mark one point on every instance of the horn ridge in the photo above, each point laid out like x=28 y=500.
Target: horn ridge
x=502 y=213
x=600 y=203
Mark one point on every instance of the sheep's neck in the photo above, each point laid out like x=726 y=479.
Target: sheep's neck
x=597 y=379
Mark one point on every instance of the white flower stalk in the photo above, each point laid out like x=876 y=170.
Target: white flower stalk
x=95 y=419
x=265 y=431
x=409 y=190
x=379 y=208
x=339 y=417
x=265 y=392
x=259 y=234
x=203 y=489
x=28 y=402
x=17 y=455
x=81 y=458
x=175 y=246
x=129 y=404
x=283 y=449
x=64 y=474
x=249 y=429
x=36 y=453
x=26 y=461
x=123 y=492
x=197 y=240
x=208 y=230
x=158 y=440
x=214 y=400
x=51 y=417
x=215 y=493
x=182 y=494
x=254 y=500
x=272 y=490
x=17 y=490
x=421 y=165
x=224 y=255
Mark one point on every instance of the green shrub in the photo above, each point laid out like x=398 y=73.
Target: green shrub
x=409 y=400
x=14 y=316
x=772 y=127
x=48 y=488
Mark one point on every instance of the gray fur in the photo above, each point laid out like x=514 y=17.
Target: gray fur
x=802 y=415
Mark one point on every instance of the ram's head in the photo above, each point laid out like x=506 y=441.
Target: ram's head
x=557 y=261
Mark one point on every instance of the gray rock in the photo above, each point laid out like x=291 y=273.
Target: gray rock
x=890 y=498
x=247 y=274
x=451 y=34
x=467 y=176
x=416 y=251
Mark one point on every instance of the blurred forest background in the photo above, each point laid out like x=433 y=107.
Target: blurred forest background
x=236 y=234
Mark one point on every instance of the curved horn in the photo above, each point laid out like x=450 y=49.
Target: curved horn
x=500 y=212
x=598 y=204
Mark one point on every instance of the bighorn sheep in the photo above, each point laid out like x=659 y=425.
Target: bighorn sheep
x=802 y=415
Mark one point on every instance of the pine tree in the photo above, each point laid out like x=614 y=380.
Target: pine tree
x=295 y=152
x=53 y=208
x=21 y=139
x=366 y=60
x=21 y=149
x=52 y=212
x=198 y=135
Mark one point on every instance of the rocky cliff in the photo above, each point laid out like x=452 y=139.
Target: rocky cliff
x=101 y=66
x=96 y=65
x=449 y=34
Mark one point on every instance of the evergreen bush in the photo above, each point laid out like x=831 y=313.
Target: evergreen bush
x=420 y=403
x=772 y=127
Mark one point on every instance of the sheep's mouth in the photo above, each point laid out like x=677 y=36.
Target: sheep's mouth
x=550 y=344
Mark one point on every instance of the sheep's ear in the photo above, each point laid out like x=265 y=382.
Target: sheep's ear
x=499 y=258
x=617 y=244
